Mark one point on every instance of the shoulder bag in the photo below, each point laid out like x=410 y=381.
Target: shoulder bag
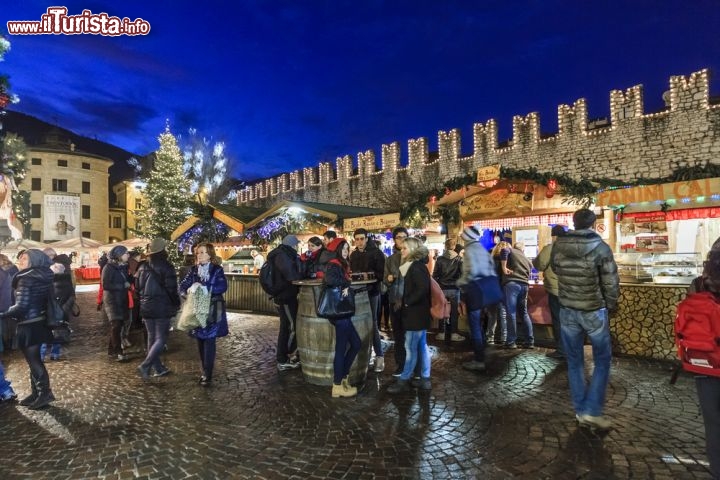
x=333 y=305
x=482 y=292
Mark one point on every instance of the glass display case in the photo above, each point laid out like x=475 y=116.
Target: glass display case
x=679 y=268
x=660 y=268
x=634 y=267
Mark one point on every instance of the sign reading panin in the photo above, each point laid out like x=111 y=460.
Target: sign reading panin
x=372 y=222
x=61 y=217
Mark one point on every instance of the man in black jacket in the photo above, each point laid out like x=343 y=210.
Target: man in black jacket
x=286 y=269
x=367 y=258
x=448 y=268
x=588 y=288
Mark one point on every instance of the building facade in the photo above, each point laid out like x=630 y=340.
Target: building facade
x=122 y=218
x=68 y=193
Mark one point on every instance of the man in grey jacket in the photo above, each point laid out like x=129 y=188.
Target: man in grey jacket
x=476 y=263
x=588 y=288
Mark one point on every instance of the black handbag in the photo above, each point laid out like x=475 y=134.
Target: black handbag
x=333 y=305
x=61 y=333
x=54 y=314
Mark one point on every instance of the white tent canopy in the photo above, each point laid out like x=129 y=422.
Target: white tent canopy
x=86 y=249
x=22 y=244
x=79 y=242
x=130 y=243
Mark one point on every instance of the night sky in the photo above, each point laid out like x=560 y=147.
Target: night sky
x=287 y=84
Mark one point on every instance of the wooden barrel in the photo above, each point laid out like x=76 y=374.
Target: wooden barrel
x=316 y=338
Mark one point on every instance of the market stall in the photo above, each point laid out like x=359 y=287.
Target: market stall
x=519 y=212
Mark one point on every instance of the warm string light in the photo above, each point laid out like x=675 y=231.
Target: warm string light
x=390 y=156
x=572 y=115
x=485 y=134
x=449 y=145
x=418 y=153
x=366 y=162
x=530 y=124
x=344 y=166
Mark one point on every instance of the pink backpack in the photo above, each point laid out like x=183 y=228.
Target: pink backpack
x=439 y=305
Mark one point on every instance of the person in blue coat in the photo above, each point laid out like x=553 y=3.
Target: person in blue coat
x=7 y=394
x=208 y=273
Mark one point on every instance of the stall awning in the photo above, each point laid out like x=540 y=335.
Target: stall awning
x=676 y=194
x=233 y=216
x=510 y=199
x=329 y=211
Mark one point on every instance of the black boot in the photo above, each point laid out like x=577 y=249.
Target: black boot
x=45 y=395
x=33 y=396
x=479 y=350
x=399 y=386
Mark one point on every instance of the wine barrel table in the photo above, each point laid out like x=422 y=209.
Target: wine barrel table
x=316 y=335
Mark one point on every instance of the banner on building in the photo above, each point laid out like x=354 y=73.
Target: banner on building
x=61 y=217
x=372 y=222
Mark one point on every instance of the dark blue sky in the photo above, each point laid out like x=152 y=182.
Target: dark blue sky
x=287 y=84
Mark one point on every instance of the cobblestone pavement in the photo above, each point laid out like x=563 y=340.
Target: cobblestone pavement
x=513 y=422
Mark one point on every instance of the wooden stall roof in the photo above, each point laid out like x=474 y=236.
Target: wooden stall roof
x=479 y=202
x=327 y=210
x=231 y=215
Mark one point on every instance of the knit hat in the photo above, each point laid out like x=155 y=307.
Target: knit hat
x=63 y=259
x=470 y=234
x=290 y=241
x=156 y=246
x=117 y=251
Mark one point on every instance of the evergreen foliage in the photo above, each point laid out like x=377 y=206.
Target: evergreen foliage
x=13 y=152
x=167 y=192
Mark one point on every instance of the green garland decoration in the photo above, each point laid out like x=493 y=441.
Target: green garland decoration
x=579 y=192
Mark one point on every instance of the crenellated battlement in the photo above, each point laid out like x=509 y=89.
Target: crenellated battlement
x=631 y=144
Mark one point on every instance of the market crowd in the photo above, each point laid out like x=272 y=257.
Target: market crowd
x=579 y=272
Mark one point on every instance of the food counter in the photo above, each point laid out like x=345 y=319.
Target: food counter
x=87 y=273
x=245 y=293
x=642 y=325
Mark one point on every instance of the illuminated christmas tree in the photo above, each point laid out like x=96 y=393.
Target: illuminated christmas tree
x=167 y=191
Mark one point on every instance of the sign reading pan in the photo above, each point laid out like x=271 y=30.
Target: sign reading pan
x=372 y=222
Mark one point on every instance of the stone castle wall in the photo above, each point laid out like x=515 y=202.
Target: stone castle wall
x=633 y=145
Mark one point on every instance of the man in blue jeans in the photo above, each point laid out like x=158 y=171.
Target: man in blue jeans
x=516 y=268
x=588 y=288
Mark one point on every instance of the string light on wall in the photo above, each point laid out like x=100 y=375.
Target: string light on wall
x=529 y=123
x=688 y=86
x=390 y=156
x=449 y=144
x=417 y=151
x=486 y=132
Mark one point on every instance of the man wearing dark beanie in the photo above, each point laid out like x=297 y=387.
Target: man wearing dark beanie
x=588 y=289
